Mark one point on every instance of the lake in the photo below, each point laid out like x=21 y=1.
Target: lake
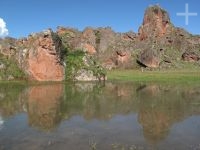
x=100 y=116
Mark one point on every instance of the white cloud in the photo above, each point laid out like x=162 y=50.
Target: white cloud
x=3 y=29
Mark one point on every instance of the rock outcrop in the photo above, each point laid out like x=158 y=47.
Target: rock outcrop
x=149 y=59
x=41 y=57
x=111 y=49
x=44 y=59
x=163 y=45
x=156 y=23
x=88 y=36
x=158 y=44
x=190 y=56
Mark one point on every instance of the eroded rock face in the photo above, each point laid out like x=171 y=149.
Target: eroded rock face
x=123 y=58
x=8 y=47
x=88 y=41
x=88 y=48
x=155 y=24
x=44 y=57
x=190 y=56
x=102 y=43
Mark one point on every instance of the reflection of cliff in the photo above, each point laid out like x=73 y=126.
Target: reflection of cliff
x=44 y=105
x=160 y=107
x=99 y=101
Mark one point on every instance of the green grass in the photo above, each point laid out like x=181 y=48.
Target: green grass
x=74 y=62
x=184 y=76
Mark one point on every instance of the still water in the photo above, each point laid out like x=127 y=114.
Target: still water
x=93 y=116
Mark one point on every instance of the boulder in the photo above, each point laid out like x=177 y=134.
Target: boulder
x=90 y=70
x=149 y=58
x=85 y=75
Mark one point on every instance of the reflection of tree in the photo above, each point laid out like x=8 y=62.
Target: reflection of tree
x=99 y=102
x=44 y=105
x=159 y=108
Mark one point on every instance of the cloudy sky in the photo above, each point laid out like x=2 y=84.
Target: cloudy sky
x=22 y=17
x=3 y=29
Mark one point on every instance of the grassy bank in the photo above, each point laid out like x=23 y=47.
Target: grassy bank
x=169 y=76
x=185 y=76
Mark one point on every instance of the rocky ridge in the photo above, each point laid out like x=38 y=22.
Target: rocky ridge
x=46 y=56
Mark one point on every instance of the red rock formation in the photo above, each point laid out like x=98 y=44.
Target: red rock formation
x=39 y=54
x=155 y=24
x=88 y=40
x=43 y=60
x=61 y=30
x=89 y=35
x=89 y=49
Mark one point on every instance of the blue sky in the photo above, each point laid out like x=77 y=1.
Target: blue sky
x=26 y=16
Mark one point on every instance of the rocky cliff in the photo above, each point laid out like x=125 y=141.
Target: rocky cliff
x=51 y=56
x=158 y=44
x=41 y=57
x=38 y=56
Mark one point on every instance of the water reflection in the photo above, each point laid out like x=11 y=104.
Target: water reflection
x=44 y=104
x=162 y=106
x=1 y=122
x=12 y=100
x=158 y=107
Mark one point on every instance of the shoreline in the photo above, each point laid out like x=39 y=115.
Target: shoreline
x=171 y=76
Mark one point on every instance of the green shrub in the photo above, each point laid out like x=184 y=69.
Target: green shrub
x=74 y=62
x=11 y=69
